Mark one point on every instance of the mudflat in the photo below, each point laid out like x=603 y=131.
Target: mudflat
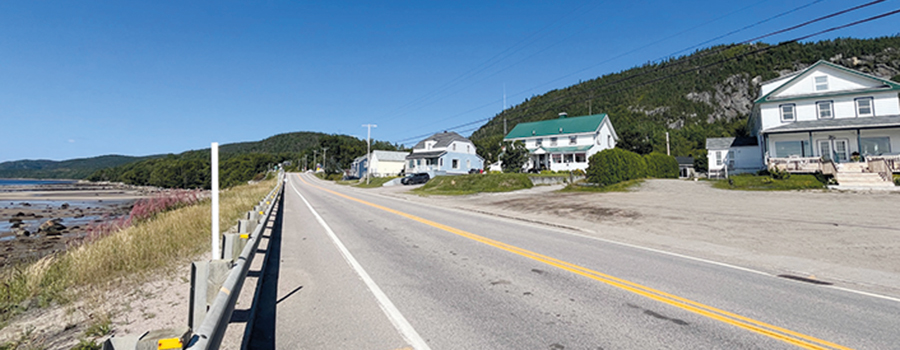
x=39 y=220
x=850 y=239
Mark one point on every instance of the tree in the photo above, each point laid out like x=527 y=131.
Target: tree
x=514 y=157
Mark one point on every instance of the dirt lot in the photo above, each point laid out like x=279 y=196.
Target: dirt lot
x=851 y=239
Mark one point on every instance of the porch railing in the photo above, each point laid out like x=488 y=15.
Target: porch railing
x=892 y=162
x=797 y=164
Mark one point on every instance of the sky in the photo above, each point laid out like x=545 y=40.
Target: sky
x=89 y=78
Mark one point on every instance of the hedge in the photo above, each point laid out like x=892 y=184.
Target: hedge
x=615 y=165
x=661 y=166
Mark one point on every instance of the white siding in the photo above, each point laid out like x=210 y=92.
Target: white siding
x=838 y=80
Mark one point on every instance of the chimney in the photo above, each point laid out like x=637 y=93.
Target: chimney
x=563 y=115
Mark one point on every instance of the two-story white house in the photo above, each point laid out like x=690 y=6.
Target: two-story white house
x=384 y=164
x=825 y=116
x=445 y=153
x=564 y=144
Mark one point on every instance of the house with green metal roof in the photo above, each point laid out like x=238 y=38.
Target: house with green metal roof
x=828 y=115
x=564 y=144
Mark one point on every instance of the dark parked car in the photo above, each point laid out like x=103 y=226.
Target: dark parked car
x=417 y=178
x=350 y=177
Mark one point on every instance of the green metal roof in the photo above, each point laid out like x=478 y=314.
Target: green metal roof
x=889 y=85
x=559 y=126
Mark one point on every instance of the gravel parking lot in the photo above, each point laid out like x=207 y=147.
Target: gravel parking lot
x=851 y=239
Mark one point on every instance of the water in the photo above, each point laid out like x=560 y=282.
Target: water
x=30 y=182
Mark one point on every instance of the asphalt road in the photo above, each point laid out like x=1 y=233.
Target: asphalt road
x=353 y=270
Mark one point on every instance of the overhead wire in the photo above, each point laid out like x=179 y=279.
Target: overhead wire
x=763 y=49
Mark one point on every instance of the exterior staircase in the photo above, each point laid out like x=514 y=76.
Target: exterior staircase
x=858 y=175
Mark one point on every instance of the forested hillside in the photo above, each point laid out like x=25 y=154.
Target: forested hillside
x=706 y=94
x=67 y=169
x=241 y=162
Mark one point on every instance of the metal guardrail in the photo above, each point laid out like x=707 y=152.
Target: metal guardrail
x=211 y=331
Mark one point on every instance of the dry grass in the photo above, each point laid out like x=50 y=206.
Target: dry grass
x=166 y=240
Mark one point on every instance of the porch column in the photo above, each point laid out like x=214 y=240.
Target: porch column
x=858 y=144
x=812 y=152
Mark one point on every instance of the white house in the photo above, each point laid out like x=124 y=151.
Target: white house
x=733 y=155
x=825 y=118
x=445 y=153
x=384 y=163
x=564 y=144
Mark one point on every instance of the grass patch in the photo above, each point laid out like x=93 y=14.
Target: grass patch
x=624 y=186
x=165 y=240
x=374 y=182
x=750 y=182
x=474 y=183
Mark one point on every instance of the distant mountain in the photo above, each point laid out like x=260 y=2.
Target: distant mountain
x=66 y=169
x=709 y=93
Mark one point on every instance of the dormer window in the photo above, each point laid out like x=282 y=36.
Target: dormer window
x=573 y=140
x=787 y=112
x=538 y=142
x=454 y=146
x=822 y=83
x=552 y=141
x=864 y=107
x=824 y=108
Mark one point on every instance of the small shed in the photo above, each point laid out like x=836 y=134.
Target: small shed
x=685 y=167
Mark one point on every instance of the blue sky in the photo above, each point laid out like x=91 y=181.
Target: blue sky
x=88 y=78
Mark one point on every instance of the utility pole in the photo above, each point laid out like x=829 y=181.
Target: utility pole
x=315 y=154
x=668 y=153
x=324 y=160
x=305 y=164
x=369 y=149
x=504 y=109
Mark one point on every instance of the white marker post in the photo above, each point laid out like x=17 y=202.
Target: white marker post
x=215 y=201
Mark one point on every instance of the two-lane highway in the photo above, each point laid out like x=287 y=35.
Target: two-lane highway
x=363 y=271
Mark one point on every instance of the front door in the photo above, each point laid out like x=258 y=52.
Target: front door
x=836 y=150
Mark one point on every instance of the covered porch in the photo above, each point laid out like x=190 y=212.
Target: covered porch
x=558 y=158
x=811 y=146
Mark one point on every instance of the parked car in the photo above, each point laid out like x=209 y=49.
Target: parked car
x=350 y=177
x=417 y=178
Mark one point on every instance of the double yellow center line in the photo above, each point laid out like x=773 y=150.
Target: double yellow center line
x=785 y=335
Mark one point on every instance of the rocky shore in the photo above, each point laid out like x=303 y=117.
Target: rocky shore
x=39 y=220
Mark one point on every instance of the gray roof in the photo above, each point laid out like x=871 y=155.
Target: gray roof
x=728 y=142
x=421 y=155
x=685 y=160
x=836 y=124
x=443 y=139
x=390 y=155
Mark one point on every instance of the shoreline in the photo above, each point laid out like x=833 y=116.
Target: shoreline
x=43 y=219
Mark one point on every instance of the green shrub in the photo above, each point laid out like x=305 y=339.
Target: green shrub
x=615 y=165
x=779 y=174
x=896 y=180
x=661 y=166
x=578 y=172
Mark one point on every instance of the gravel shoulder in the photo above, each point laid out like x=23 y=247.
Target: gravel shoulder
x=846 y=238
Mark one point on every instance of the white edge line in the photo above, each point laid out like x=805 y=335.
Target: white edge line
x=688 y=257
x=406 y=330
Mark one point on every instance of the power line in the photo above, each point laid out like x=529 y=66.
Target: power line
x=684 y=71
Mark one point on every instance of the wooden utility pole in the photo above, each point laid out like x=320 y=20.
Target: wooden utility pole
x=324 y=160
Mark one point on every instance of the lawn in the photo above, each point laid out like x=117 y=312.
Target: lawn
x=373 y=182
x=624 y=186
x=474 y=183
x=750 y=182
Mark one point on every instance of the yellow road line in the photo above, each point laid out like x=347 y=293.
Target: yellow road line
x=779 y=333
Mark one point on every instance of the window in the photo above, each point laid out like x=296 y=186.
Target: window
x=468 y=148
x=821 y=83
x=875 y=145
x=787 y=113
x=730 y=159
x=454 y=146
x=538 y=142
x=864 y=107
x=455 y=164
x=441 y=162
x=792 y=148
x=579 y=157
x=552 y=141
x=567 y=158
x=824 y=108
x=609 y=140
x=573 y=140
x=557 y=158
x=418 y=162
x=468 y=164
x=412 y=164
x=718 y=158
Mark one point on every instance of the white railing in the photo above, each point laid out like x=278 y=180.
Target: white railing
x=892 y=161
x=796 y=164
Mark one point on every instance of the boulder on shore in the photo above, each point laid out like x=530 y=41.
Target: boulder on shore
x=52 y=227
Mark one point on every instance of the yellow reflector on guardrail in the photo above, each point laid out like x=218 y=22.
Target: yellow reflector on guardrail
x=260 y=212
x=245 y=236
x=169 y=344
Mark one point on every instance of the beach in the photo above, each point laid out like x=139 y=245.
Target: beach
x=39 y=218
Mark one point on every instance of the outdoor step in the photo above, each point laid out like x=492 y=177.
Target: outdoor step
x=862 y=179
